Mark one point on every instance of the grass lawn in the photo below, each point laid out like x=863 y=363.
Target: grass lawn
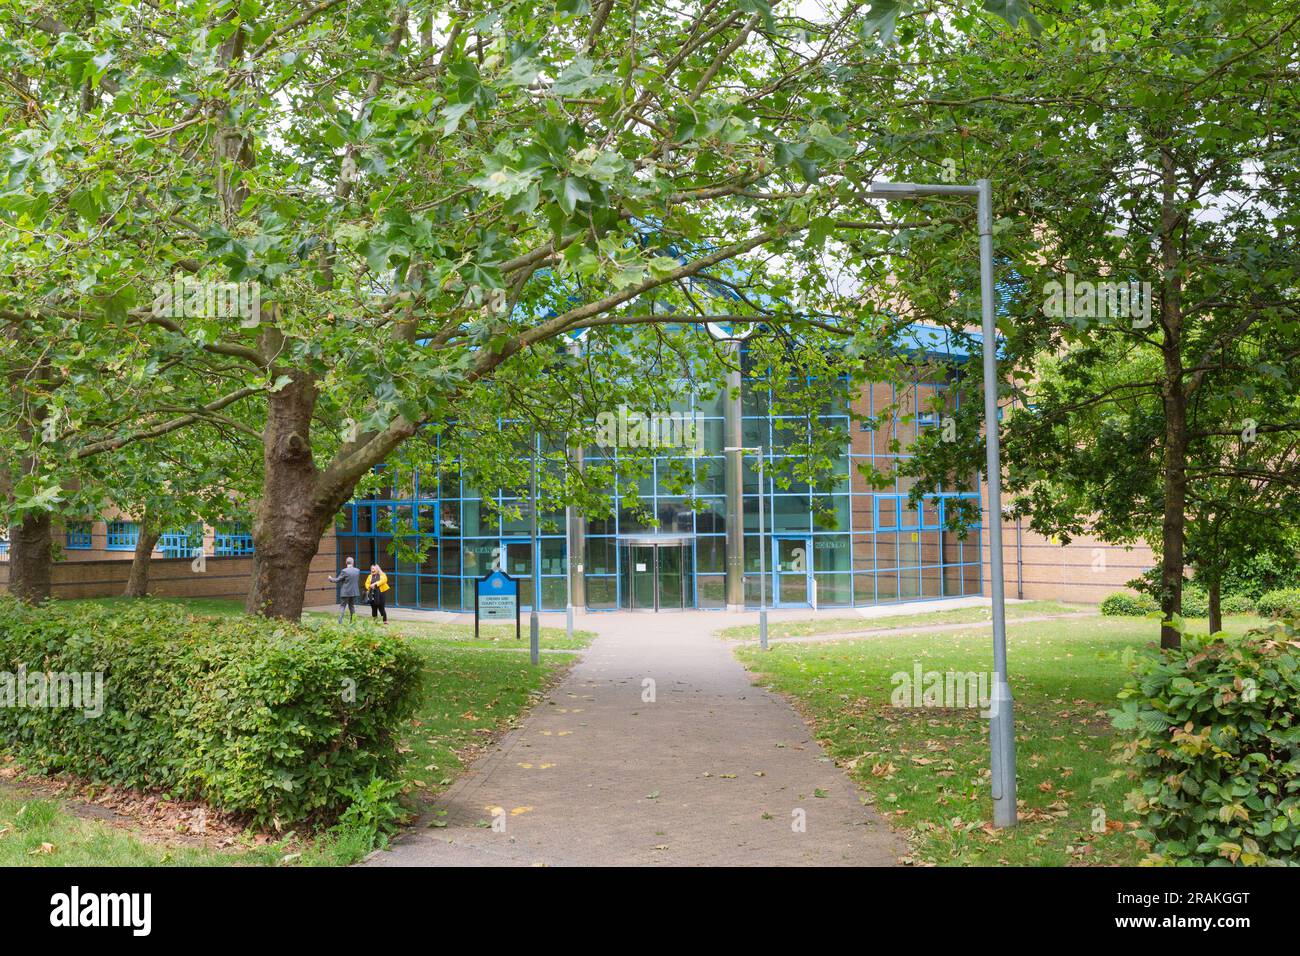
x=38 y=831
x=491 y=636
x=926 y=769
x=217 y=607
x=499 y=637
x=473 y=693
x=834 y=625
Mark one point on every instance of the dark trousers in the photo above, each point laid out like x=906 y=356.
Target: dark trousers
x=377 y=607
x=348 y=606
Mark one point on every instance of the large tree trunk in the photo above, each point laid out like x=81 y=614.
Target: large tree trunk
x=1216 y=608
x=290 y=516
x=31 y=558
x=137 y=584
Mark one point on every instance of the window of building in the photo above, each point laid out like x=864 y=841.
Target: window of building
x=122 y=535
x=77 y=536
x=182 y=542
x=231 y=540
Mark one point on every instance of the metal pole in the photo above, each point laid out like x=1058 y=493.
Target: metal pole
x=1002 y=732
x=534 y=625
x=762 y=556
x=568 y=571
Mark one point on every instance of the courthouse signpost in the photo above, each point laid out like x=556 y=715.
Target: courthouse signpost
x=496 y=598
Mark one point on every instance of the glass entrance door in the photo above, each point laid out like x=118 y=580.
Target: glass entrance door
x=669 y=590
x=792 y=572
x=642 y=562
x=654 y=575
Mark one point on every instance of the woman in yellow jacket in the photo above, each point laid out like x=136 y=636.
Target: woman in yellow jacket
x=376 y=588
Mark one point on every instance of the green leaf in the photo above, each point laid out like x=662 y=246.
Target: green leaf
x=1013 y=11
x=452 y=114
x=882 y=18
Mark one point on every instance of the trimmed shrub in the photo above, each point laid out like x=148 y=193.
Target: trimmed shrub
x=272 y=721
x=1124 y=604
x=1284 y=603
x=1237 y=604
x=1212 y=731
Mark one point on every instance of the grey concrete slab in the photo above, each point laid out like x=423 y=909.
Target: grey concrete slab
x=713 y=771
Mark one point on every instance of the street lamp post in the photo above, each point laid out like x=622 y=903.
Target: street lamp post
x=568 y=571
x=1002 y=734
x=534 y=624
x=762 y=541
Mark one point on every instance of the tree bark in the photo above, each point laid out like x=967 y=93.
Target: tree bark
x=137 y=584
x=290 y=515
x=1216 y=609
x=1173 y=530
x=31 y=558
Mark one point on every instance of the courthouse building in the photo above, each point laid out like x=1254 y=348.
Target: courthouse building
x=847 y=544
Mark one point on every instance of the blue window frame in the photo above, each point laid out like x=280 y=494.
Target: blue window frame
x=926 y=392
x=4 y=549
x=181 y=543
x=122 y=535
x=231 y=541
x=894 y=514
x=77 y=536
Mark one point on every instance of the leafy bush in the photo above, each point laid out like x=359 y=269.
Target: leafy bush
x=1284 y=603
x=1260 y=573
x=1196 y=601
x=1212 y=731
x=1237 y=604
x=1124 y=604
x=265 y=719
x=373 y=811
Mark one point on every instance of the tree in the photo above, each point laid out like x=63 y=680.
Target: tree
x=76 y=391
x=403 y=207
x=204 y=475
x=1144 y=166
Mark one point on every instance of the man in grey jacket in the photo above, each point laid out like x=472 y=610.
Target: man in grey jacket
x=350 y=591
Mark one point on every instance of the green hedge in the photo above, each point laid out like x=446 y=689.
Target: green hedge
x=1237 y=604
x=1196 y=603
x=272 y=721
x=1284 y=603
x=1213 y=730
x=1124 y=604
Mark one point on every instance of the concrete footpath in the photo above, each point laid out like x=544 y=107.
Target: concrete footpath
x=655 y=750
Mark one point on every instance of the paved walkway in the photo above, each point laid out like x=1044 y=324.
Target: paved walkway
x=713 y=772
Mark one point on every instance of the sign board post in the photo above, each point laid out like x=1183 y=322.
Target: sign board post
x=496 y=598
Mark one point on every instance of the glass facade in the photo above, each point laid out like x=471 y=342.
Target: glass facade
x=844 y=543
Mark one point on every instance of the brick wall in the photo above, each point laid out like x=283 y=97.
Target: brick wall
x=175 y=577
x=1082 y=572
